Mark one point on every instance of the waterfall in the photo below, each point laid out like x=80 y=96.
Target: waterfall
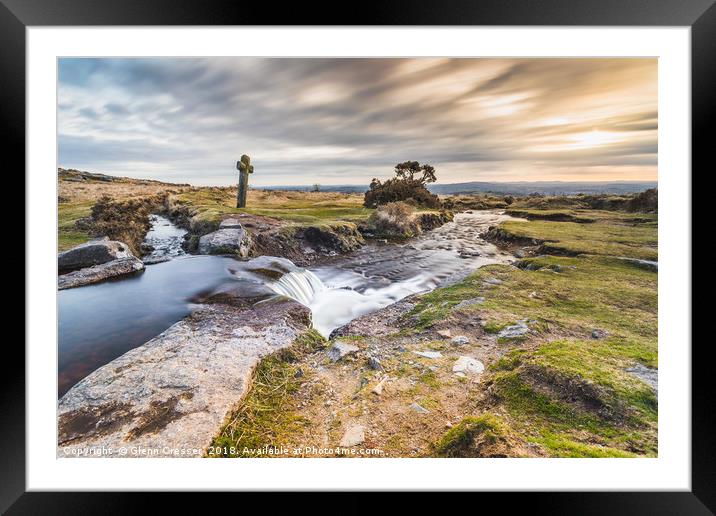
x=334 y=307
x=301 y=286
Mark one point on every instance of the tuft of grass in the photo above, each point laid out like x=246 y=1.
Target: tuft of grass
x=559 y=446
x=265 y=416
x=459 y=441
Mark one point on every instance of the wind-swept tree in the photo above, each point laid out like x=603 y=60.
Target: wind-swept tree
x=407 y=185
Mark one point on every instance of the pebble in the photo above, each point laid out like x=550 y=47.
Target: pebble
x=599 y=334
x=374 y=363
x=460 y=340
x=378 y=389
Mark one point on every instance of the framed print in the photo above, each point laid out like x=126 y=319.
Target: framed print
x=438 y=250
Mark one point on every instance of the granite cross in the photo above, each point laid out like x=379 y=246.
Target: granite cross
x=245 y=168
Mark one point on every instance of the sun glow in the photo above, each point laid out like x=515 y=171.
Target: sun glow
x=594 y=138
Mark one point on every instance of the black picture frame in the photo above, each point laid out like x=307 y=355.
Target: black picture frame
x=700 y=15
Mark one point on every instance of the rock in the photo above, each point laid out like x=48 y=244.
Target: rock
x=428 y=354
x=492 y=281
x=378 y=389
x=340 y=350
x=599 y=334
x=230 y=238
x=445 y=333
x=460 y=340
x=374 y=363
x=468 y=365
x=647 y=375
x=515 y=331
x=94 y=252
x=470 y=302
x=354 y=436
x=520 y=253
x=230 y=223
x=98 y=273
x=173 y=392
x=417 y=408
x=649 y=265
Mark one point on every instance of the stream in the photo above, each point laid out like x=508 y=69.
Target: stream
x=100 y=322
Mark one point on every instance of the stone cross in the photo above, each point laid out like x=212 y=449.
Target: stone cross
x=245 y=168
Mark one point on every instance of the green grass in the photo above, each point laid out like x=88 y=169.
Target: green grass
x=584 y=215
x=266 y=416
x=299 y=207
x=601 y=238
x=551 y=386
x=566 y=448
x=67 y=214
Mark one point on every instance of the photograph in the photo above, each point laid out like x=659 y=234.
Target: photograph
x=357 y=257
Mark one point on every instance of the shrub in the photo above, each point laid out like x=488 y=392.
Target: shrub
x=644 y=202
x=126 y=221
x=407 y=185
x=394 y=220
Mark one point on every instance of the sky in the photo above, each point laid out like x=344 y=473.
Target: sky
x=345 y=121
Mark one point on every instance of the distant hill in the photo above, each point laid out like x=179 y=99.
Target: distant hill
x=310 y=188
x=80 y=176
x=515 y=188
x=512 y=188
x=545 y=187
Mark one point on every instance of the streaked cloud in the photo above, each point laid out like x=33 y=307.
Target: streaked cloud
x=336 y=121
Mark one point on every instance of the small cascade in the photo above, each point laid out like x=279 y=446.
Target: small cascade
x=333 y=307
x=301 y=286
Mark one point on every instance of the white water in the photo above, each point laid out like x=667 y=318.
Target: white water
x=334 y=307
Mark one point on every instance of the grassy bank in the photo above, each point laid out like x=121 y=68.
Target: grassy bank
x=267 y=414
x=610 y=234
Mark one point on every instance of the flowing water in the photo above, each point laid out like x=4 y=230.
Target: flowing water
x=165 y=240
x=98 y=323
x=378 y=275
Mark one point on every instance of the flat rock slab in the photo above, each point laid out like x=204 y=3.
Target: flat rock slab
x=468 y=365
x=647 y=375
x=170 y=396
x=515 y=331
x=379 y=323
x=428 y=354
x=100 y=272
x=469 y=302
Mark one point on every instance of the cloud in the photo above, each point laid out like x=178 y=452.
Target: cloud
x=347 y=120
